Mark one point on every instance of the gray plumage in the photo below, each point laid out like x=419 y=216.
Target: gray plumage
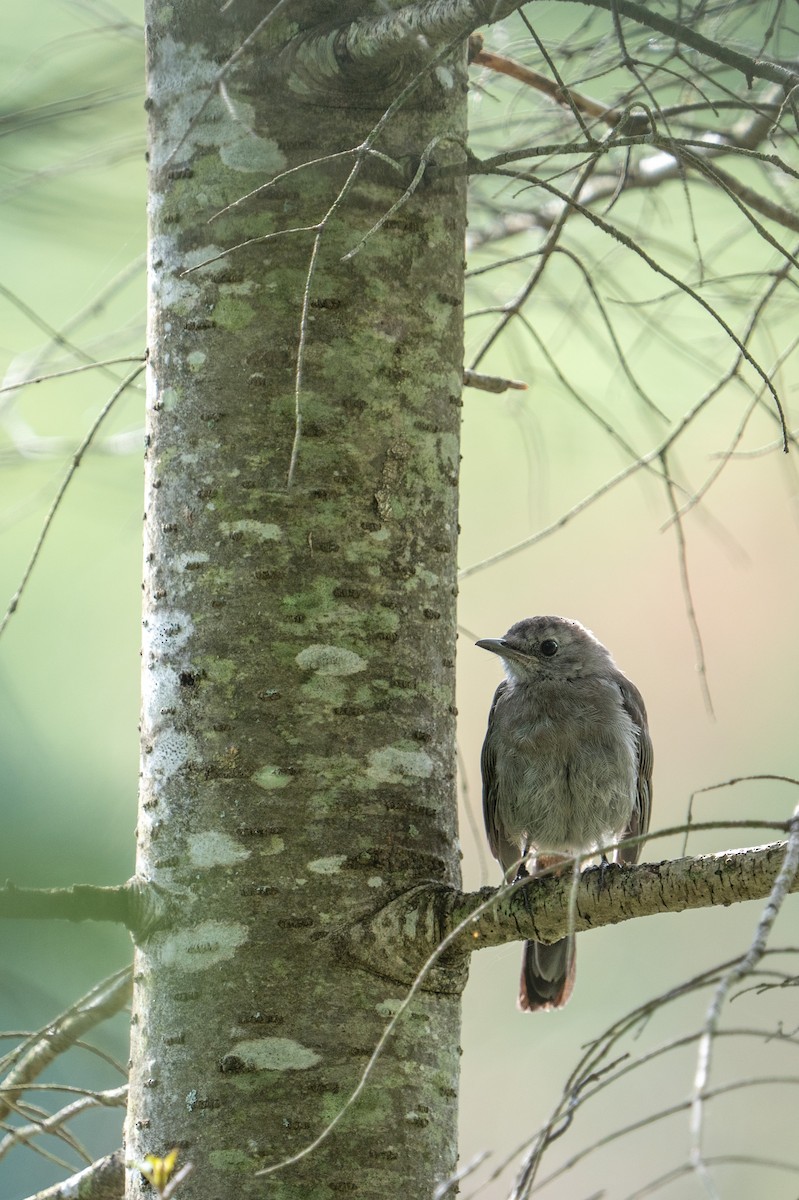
x=567 y=768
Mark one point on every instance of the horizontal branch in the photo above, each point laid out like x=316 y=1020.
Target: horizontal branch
x=83 y=902
x=400 y=938
x=491 y=383
x=672 y=886
x=316 y=60
x=136 y=905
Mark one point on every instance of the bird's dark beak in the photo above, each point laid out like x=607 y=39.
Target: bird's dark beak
x=495 y=645
x=505 y=650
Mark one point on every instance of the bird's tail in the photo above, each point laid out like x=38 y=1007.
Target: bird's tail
x=547 y=974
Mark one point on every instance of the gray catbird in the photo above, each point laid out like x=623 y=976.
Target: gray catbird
x=567 y=768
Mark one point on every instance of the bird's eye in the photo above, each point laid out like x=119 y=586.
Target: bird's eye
x=549 y=648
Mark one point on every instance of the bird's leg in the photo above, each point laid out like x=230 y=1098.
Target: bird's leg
x=521 y=870
x=521 y=874
x=603 y=866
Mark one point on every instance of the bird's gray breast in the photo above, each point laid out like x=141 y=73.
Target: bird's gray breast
x=566 y=762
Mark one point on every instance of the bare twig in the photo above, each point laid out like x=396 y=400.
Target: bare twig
x=37 y=1052
x=77 y=458
x=55 y=1123
x=783 y=884
x=491 y=383
x=103 y=1180
x=685 y=582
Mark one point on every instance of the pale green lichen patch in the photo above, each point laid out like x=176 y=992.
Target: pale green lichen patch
x=196 y=359
x=168 y=398
x=210 y=257
x=235 y=1161
x=181 y=81
x=270 y=777
x=218 y=670
x=198 y=948
x=410 y=926
x=215 y=849
x=259 y=531
x=325 y=688
x=394 y=765
x=330 y=660
x=389 y=1007
x=253 y=153
x=231 y=313
x=171 y=285
x=327 y=866
x=274 y=1054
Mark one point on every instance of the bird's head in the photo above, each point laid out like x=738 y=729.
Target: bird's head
x=552 y=648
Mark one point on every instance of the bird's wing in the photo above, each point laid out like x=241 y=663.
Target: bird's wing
x=488 y=766
x=639 y=821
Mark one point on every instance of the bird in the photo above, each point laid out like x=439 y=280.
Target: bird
x=567 y=770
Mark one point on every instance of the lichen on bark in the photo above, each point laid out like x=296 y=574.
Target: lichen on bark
x=298 y=665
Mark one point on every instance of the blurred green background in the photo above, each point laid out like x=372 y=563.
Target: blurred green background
x=73 y=233
x=72 y=188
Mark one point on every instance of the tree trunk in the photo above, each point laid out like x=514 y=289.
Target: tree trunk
x=299 y=635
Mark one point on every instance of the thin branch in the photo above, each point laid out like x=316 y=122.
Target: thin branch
x=55 y=1122
x=785 y=882
x=60 y=337
x=562 y=520
x=741 y=195
x=593 y=1072
x=56 y=504
x=557 y=91
x=424 y=162
x=715 y=1160
x=748 y=196
x=491 y=383
x=751 y=68
x=779 y=277
x=685 y=583
x=253 y=241
x=621 y=1069
x=511 y=309
x=39 y=1051
x=606 y=321
x=90 y=366
x=298 y=373
x=526 y=1178
x=630 y=244
x=103 y=1180
x=725 y=783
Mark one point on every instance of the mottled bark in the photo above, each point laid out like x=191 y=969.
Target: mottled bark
x=298 y=659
